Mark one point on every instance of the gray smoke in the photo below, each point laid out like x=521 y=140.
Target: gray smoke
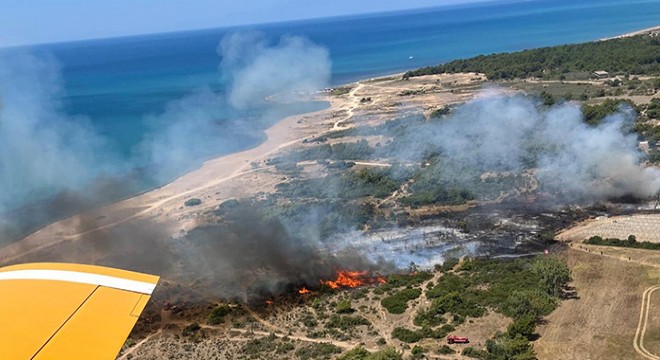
x=42 y=150
x=257 y=68
x=207 y=123
x=46 y=154
x=496 y=133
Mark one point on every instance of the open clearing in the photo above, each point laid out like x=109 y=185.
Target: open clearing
x=602 y=323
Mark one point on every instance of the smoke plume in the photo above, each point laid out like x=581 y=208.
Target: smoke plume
x=46 y=154
x=496 y=133
x=257 y=68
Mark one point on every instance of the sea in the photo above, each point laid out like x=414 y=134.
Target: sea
x=119 y=86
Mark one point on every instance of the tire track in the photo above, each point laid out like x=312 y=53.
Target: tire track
x=638 y=341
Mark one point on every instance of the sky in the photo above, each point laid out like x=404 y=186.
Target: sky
x=25 y=22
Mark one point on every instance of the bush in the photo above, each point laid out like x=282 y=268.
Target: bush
x=474 y=353
x=344 y=307
x=191 y=329
x=523 y=326
x=257 y=346
x=387 y=354
x=218 y=313
x=398 y=303
x=529 y=302
x=317 y=351
x=518 y=348
x=457 y=303
x=193 y=202
x=346 y=322
x=401 y=280
x=358 y=353
x=445 y=350
x=407 y=336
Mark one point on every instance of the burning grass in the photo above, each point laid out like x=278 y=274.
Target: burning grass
x=353 y=279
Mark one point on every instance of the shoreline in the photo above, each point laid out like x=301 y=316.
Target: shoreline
x=280 y=135
x=236 y=175
x=652 y=29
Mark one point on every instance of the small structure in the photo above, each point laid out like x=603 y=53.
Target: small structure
x=601 y=74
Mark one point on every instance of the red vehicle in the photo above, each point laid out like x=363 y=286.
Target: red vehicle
x=453 y=339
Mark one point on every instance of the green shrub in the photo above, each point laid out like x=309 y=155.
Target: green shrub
x=386 y=354
x=475 y=354
x=345 y=322
x=218 y=313
x=401 y=280
x=407 y=336
x=191 y=329
x=523 y=326
x=428 y=318
x=317 y=351
x=358 y=353
x=398 y=303
x=344 y=307
x=529 y=302
x=257 y=346
x=446 y=350
x=193 y=202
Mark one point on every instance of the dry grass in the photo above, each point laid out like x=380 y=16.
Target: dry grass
x=600 y=324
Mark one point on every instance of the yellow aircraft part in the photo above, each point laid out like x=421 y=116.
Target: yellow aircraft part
x=68 y=311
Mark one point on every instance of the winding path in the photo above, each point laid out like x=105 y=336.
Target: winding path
x=638 y=341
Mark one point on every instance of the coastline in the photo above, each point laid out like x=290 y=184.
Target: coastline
x=634 y=33
x=236 y=175
x=209 y=175
x=216 y=180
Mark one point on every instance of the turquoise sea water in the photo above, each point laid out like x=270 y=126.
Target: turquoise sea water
x=119 y=83
x=129 y=89
x=122 y=86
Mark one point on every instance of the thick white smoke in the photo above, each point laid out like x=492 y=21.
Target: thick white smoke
x=42 y=150
x=257 y=68
x=502 y=133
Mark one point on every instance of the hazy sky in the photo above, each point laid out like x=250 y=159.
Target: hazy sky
x=40 y=21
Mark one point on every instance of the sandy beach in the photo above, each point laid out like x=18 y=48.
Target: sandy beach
x=240 y=174
x=654 y=29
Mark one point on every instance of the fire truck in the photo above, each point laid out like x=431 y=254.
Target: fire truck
x=453 y=339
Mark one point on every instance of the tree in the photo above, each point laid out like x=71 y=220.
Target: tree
x=632 y=239
x=524 y=326
x=552 y=273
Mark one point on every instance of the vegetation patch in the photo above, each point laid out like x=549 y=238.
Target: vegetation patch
x=193 y=202
x=359 y=353
x=631 y=242
x=218 y=313
x=317 y=351
x=398 y=303
x=633 y=55
x=346 y=322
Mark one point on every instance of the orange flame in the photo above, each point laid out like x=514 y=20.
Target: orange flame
x=303 y=291
x=352 y=279
x=269 y=302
